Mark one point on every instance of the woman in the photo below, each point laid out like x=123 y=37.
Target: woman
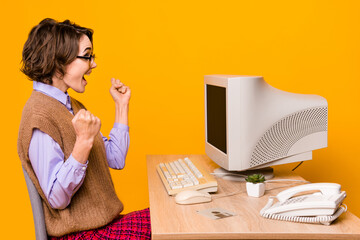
x=60 y=144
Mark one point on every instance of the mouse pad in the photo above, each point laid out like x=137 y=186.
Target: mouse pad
x=216 y=213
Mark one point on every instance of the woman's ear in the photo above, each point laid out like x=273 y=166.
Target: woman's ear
x=57 y=79
x=57 y=75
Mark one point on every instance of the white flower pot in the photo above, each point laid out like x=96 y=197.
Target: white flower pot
x=255 y=189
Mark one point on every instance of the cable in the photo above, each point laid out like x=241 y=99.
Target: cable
x=297 y=166
x=278 y=180
x=288 y=185
x=326 y=220
x=226 y=195
x=287 y=180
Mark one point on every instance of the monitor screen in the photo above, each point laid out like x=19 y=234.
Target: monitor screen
x=216 y=116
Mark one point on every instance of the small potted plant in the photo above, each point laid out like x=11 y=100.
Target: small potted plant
x=255 y=185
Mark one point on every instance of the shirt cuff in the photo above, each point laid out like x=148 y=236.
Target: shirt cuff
x=71 y=161
x=121 y=126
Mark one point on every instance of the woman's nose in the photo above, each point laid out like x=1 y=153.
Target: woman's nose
x=93 y=64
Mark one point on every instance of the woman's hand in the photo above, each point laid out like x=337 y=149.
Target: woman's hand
x=86 y=126
x=119 y=92
x=121 y=95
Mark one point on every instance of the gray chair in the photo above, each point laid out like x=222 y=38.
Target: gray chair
x=37 y=209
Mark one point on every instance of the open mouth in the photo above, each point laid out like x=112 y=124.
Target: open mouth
x=83 y=77
x=84 y=80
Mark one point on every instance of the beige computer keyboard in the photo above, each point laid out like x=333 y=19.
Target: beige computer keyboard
x=183 y=174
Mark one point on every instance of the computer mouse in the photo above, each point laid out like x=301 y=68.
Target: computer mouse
x=192 y=197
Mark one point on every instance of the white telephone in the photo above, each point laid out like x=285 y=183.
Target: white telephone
x=319 y=207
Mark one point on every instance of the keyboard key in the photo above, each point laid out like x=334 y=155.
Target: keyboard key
x=171 y=171
x=165 y=171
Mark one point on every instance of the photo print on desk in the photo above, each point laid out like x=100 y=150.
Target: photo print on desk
x=216 y=213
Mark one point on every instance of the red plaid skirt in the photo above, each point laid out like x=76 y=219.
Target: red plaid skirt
x=135 y=225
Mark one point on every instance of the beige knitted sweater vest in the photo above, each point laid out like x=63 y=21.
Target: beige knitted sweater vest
x=95 y=204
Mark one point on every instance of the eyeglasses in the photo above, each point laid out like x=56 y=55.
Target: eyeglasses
x=89 y=58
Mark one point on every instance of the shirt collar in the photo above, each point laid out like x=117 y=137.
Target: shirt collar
x=53 y=92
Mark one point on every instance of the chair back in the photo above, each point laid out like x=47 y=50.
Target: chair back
x=37 y=209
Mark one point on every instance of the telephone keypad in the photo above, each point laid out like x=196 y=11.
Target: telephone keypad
x=294 y=200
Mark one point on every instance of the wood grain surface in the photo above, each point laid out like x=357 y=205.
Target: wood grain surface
x=172 y=221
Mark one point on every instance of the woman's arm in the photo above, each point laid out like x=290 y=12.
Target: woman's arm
x=86 y=127
x=117 y=145
x=59 y=180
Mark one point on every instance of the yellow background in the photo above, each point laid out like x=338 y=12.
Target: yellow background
x=162 y=50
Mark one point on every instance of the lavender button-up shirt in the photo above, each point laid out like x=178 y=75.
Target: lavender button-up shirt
x=60 y=179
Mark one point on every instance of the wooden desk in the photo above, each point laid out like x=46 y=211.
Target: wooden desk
x=172 y=221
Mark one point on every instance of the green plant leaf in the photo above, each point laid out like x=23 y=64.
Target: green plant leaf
x=255 y=178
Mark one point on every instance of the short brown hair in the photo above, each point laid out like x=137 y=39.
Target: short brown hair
x=51 y=46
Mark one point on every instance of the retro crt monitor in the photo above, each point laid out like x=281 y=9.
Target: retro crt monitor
x=251 y=125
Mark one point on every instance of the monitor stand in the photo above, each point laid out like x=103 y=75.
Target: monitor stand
x=268 y=172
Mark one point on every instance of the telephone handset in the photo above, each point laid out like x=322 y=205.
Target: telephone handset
x=319 y=207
